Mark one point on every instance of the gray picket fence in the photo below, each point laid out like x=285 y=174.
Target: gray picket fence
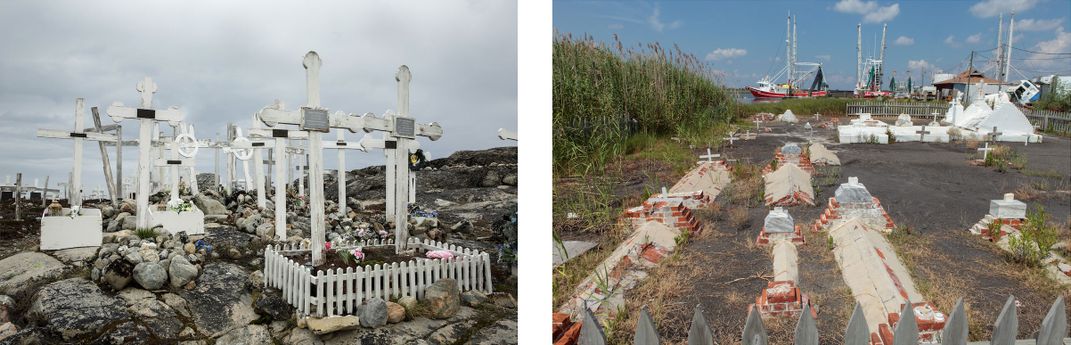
x=1045 y=120
x=1053 y=328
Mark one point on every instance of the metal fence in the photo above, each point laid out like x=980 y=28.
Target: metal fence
x=1053 y=329
x=1045 y=120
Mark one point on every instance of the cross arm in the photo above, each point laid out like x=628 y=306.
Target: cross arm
x=51 y=133
x=119 y=112
x=506 y=134
x=264 y=133
x=373 y=143
x=369 y=123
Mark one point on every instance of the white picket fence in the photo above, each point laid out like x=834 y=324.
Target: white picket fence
x=339 y=292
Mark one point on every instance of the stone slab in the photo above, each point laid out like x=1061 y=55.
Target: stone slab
x=63 y=232
x=17 y=271
x=572 y=249
x=1007 y=209
x=785 y=261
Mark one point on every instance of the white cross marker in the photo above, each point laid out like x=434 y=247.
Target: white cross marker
x=817 y=117
x=341 y=145
x=369 y=142
x=985 y=151
x=922 y=133
x=709 y=156
x=665 y=193
x=730 y=138
x=758 y=123
x=77 y=135
x=146 y=116
x=185 y=145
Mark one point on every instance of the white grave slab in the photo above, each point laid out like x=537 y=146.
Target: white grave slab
x=914 y=133
x=853 y=192
x=1007 y=208
x=778 y=221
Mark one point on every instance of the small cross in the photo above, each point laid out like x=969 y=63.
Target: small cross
x=758 y=123
x=993 y=135
x=710 y=156
x=730 y=138
x=935 y=116
x=985 y=151
x=922 y=133
x=146 y=87
x=817 y=117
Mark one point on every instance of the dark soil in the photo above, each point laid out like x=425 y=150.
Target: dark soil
x=373 y=256
x=21 y=235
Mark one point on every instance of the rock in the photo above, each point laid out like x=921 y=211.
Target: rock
x=209 y=206
x=442 y=299
x=130 y=223
x=133 y=256
x=75 y=309
x=158 y=318
x=220 y=300
x=395 y=312
x=150 y=275
x=248 y=335
x=73 y=255
x=126 y=332
x=510 y=180
x=149 y=255
x=331 y=324
x=18 y=271
x=118 y=274
x=7 y=302
x=189 y=248
x=373 y=313
x=501 y=332
x=271 y=303
x=181 y=271
x=256 y=278
x=299 y=336
x=7 y=330
x=177 y=304
x=409 y=303
x=473 y=298
x=491 y=179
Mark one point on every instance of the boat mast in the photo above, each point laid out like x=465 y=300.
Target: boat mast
x=1011 y=33
x=788 y=49
x=858 y=57
x=881 y=65
x=794 y=52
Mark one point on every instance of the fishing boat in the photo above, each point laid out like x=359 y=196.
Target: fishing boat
x=794 y=72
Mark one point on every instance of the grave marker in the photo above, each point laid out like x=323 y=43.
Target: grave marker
x=709 y=156
x=147 y=116
x=371 y=143
x=281 y=164
x=730 y=138
x=341 y=145
x=922 y=133
x=985 y=151
x=994 y=134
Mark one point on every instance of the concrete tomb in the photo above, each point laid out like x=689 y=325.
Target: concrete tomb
x=788 y=186
x=820 y=155
x=864 y=130
x=788 y=117
x=1007 y=208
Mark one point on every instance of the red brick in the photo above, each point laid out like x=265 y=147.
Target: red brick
x=570 y=337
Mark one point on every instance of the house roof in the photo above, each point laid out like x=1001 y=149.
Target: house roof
x=969 y=77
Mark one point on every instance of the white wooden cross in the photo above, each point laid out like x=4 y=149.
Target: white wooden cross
x=817 y=117
x=758 y=123
x=985 y=151
x=731 y=137
x=341 y=145
x=709 y=156
x=146 y=116
x=315 y=119
x=922 y=133
x=281 y=164
x=935 y=117
x=184 y=145
x=368 y=142
x=77 y=135
x=241 y=148
x=748 y=135
x=507 y=134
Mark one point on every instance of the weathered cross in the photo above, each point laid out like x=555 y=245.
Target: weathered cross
x=507 y=134
x=78 y=135
x=922 y=133
x=731 y=137
x=184 y=145
x=748 y=135
x=316 y=120
x=985 y=151
x=758 y=123
x=935 y=116
x=709 y=156
x=994 y=134
x=390 y=148
x=817 y=117
x=341 y=145
x=241 y=148
x=280 y=164
x=147 y=117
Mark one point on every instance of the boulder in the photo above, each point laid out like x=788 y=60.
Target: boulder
x=181 y=271
x=118 y=236
x=150 y=275
x=248 y=335
x=130 y=223
x=19 y=270
x=117 y=274
x=221 y=300
x=373 y=313
x=395 y=312
x=7 y=330
x=75 y=309
x=301 y=336
x=158 y=318
x=331 y=324
x=209 y=206
x=272 y=304
x=442 y=299
x=76 y=255
x=409 y=303
x=473 y=298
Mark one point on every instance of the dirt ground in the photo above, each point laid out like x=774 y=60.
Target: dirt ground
x=929 y=187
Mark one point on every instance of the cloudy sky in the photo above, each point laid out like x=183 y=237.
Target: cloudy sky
x=222 y=61
x=744 y=40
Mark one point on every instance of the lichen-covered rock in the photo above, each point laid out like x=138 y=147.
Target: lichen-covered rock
x=221 y=300
x=181 y=271
x=248 y=335
x=118 y=274
x=373 y=313
x=473 y=298
x=301 y=336
x=209 y=206
x=75 y=309
x=19 y=270
x=271 y=303
x=158 y=318
x=150 y=275
x=442 y=299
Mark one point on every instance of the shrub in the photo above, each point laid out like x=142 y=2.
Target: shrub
x=1034 y=241
x=144 y=233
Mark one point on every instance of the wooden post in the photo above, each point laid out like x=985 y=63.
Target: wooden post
x=104 y=159
x=18 y=197
x=44 y=195
x=118 y=163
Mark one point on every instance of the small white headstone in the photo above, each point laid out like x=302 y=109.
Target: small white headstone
x=853 y=192
x=1007 y=208
x=779 y=221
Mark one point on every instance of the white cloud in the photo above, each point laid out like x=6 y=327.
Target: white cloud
x=725 y=53
x=656 y=23
x=951 y=41
x=972 y=39
x=904 y=41
x=871 y=11
x=1037 y=24
x=1045 y=58
x=920 y=65
x=616 y=26
x=990 y=8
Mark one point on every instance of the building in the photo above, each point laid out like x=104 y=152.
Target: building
x=967 y=81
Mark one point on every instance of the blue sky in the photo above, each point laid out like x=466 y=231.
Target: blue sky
x=744 y=40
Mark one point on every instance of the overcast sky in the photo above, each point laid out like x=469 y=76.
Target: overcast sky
x=222 y=61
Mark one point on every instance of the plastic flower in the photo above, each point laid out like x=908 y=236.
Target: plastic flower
x=440 y=254
x=327 y=245
x=358 y=254
x=383 y=233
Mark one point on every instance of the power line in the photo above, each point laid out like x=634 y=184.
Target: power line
x=1042 y=53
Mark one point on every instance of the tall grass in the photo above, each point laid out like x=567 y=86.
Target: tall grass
x=604 y=94
x=802 y=107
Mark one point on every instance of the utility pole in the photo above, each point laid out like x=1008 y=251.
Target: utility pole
x=1000 y=48
x=970 y=68
x=881 y=66
x=858 y=56
x=1007 y=59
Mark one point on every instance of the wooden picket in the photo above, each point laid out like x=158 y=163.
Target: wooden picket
x=1053 y=330
x=338 y=291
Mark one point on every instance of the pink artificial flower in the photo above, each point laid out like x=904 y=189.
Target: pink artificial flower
x=327 y=245
x=440 y=254
x=358 y=254
x=383 y=233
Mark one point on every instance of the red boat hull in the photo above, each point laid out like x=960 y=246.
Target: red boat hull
x=766 y=94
